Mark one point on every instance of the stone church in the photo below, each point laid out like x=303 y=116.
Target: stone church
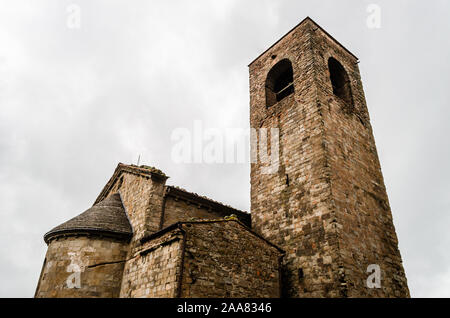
x=316 y=225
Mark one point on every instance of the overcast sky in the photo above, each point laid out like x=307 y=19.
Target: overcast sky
x=76 y=101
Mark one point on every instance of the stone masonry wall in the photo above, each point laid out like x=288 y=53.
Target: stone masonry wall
x=326 y=205
x=363 y=216
x=223 y=259
x=295 y=215
x=98 y=263
x=179 y=210
x=142 y=199
x=154 y=267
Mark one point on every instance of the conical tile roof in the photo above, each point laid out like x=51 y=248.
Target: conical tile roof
x=107 y=217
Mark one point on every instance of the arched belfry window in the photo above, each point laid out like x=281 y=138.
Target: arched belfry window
x=340 y=81
x=279 y=82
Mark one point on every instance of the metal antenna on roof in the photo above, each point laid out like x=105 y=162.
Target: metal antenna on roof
x=139 y=160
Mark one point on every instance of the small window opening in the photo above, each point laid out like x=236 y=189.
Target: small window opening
x=340 y=81
x=279 y=82
x=301 y=275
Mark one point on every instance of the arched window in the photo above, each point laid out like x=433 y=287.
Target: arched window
x=340 y=81
x=279 y=82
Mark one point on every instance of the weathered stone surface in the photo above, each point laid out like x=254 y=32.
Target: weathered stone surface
x=148 y=206
x=214 y=258
x=225 y=259
x=333 y=217
x=98 y=262
x=181 y=205
x=153 y=269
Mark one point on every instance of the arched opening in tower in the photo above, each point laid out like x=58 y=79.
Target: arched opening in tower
x=279 y=82
x=340 y=82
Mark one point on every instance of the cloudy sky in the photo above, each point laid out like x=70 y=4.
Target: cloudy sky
x=75 y=101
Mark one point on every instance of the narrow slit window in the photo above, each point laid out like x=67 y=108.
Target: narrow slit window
x=279 y=82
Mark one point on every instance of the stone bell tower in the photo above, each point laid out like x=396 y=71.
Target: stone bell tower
x=326 y=204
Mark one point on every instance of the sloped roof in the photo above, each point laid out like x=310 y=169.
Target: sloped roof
x=201 y=200
x=142 y=170
x=107 y=217
x=179 y=225
x=302 y=22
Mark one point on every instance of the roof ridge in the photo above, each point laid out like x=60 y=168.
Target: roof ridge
x=295 y=27
x=142 y=170
x=194 y=194
x=204 y=221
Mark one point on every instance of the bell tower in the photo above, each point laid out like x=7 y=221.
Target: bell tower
x=326 y=204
